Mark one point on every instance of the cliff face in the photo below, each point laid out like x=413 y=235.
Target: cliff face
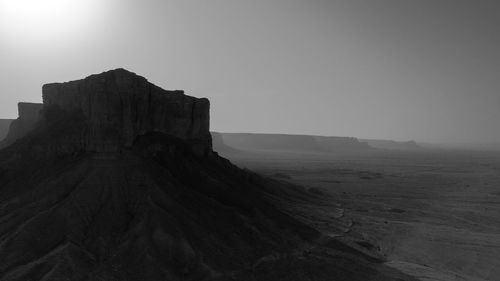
x=112 y=109
x=29 y=114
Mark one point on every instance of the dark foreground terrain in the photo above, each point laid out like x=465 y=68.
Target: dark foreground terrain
x=117 y=180
x=433 y=214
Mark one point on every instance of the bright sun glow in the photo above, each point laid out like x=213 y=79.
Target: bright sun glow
x=36 y=22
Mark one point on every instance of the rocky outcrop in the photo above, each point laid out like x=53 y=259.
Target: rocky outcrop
x=4 y=127
x=112 y=109
x=29 y=114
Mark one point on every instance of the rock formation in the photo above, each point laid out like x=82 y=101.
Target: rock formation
x=4 y=127
x=116 y=107
x=29 y=114
x=118 y=182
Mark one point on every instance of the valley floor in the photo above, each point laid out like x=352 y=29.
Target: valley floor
x=432 y=214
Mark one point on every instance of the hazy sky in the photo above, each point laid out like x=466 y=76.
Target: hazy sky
x=427 y=70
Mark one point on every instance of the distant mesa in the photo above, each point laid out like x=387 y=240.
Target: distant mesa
x=220 y=146
x=29 y=114
x=248 y=142
x=333 y=144
x=290 y=143
x=245 y=141
x=4 y=128
x=392 y=145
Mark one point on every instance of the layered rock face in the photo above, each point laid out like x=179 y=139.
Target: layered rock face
x=29 y=114
x=113 y=108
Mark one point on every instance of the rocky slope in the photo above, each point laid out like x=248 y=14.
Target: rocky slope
x=118 y=181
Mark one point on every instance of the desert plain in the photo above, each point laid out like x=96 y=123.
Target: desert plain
x=430 y=213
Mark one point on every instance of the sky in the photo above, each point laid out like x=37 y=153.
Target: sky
x=424 y=70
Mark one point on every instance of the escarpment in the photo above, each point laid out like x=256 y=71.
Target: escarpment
x=116 y=107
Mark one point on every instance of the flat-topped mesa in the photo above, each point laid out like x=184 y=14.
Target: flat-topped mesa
x=29 y=114
x=118 y=106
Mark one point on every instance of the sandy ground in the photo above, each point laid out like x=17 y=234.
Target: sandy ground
x=432 y=214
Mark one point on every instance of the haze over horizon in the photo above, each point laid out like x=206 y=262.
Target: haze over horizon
x=387 y=69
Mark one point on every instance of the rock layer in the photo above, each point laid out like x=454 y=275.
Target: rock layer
x=117 y=106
